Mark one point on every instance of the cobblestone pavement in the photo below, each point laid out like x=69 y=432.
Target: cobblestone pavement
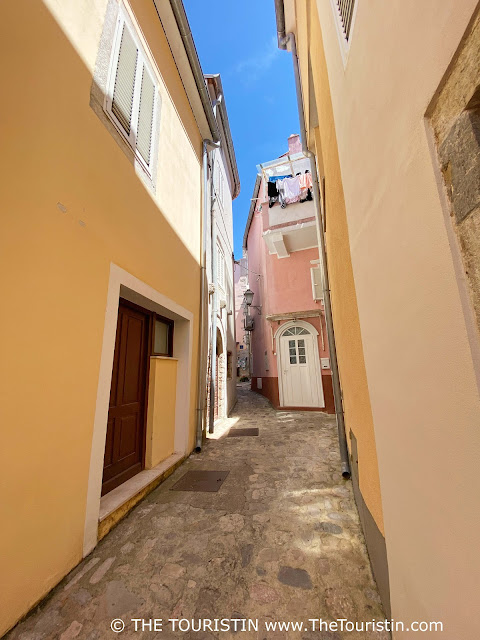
x=280 y=541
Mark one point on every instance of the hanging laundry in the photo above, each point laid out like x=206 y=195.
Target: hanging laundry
x=291 y=187
x=305 y=180
x=281 y=192
x=272 y=194
x=272 y=189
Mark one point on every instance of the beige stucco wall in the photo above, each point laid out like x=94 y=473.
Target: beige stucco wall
x=418 y=360
x=162 y=388
x=55 y=265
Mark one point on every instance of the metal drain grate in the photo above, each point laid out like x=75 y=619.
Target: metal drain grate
x=249 y=431
x=209 y=481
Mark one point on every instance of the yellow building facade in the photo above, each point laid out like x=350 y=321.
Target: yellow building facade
x=372 y=77
x=101 y=252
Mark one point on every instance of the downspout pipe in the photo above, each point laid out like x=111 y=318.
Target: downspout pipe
x=280 y=16
x=337 y=392
x=203 y=316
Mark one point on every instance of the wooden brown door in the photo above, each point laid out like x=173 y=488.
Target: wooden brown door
x=124 y=446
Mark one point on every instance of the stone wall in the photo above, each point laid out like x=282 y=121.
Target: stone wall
x=455 y=119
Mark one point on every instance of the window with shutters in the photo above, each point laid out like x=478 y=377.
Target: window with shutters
x=132 y=94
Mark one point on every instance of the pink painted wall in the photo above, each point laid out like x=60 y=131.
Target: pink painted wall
x=289 y=282
x=283 y=285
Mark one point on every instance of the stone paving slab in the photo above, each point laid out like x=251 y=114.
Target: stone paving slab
x=280 y=541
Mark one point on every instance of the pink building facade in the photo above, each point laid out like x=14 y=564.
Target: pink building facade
x=289 y=357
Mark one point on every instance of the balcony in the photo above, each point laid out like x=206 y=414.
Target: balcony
x=285 y=240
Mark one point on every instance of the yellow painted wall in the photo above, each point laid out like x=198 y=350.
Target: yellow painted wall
x=162 y=388
x=358 y=413
x=54 y=270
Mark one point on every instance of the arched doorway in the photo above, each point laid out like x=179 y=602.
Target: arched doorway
x=299 y=374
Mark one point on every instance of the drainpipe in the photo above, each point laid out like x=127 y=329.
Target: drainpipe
x=337 y=392
x=202 y=360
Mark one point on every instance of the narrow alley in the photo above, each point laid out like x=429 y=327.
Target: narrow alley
x=279 y=541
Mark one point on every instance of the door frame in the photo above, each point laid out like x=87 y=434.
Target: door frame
x=122 y=284
x=316 y=353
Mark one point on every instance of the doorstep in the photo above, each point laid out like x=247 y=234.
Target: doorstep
x=117 y=503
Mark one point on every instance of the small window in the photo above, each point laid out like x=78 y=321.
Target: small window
x=132 y=95
x=295 y=331
x=162 y=337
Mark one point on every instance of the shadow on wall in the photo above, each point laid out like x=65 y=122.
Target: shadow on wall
x=72 y=204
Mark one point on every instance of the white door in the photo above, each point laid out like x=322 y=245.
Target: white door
x=300 y=369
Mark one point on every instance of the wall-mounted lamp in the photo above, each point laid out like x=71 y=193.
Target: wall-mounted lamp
x=248 y=297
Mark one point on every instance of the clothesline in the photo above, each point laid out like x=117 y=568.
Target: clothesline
x=246 y=269
x=289 y=189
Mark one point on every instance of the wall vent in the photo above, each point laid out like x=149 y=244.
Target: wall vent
x=345 y=12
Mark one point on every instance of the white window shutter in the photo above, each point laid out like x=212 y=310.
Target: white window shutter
x=123 y=91
x=145 y=116
x=317 y=284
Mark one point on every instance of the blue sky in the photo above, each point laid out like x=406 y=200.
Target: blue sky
x=238 y=40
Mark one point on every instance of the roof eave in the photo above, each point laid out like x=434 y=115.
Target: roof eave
x=180 y=39
x=225 y=128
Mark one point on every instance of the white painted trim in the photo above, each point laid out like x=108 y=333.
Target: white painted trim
x=123 y=284
x=125 y=19
x=318 y=374
x=295 y=323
